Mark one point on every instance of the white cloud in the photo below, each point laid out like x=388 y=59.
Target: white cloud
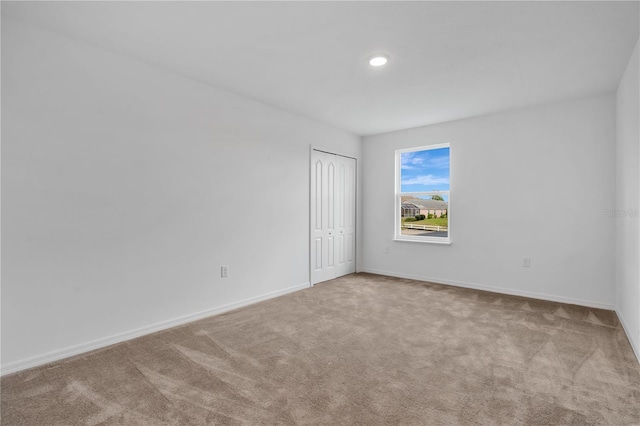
x=426 y=180
x=420 y=160
x=438 y=163
x=410 y=161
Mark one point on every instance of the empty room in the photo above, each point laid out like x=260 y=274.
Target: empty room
x=320 y=213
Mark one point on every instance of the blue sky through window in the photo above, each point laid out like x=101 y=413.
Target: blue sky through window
x=425 y=170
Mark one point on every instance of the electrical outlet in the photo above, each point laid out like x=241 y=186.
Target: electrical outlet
x=526 y=262
x=386 y=250
x=224 y=271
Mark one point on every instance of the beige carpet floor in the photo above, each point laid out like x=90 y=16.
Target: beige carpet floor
x=362 y=349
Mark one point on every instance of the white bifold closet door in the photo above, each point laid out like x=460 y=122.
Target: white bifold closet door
x=333 y=216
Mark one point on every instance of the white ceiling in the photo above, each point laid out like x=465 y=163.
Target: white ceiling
x=448 y=60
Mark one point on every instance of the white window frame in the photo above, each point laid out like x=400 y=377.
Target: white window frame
x=398 y=200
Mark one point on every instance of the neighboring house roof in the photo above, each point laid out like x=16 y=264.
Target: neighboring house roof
x=426 y=204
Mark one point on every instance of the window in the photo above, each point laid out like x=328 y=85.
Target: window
x=423 y=194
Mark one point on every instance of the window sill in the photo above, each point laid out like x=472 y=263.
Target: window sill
x=427 y=240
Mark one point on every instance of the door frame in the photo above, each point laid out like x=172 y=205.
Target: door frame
x=355 y=210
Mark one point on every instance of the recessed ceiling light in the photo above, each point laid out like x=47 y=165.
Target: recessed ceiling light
x=378 y=60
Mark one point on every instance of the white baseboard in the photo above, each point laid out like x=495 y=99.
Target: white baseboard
x=57 y=355
x=634 y=343
x=502 y=290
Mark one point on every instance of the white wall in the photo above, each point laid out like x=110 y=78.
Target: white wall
x=628 y=202
x=125 y=188
x=525 y=183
